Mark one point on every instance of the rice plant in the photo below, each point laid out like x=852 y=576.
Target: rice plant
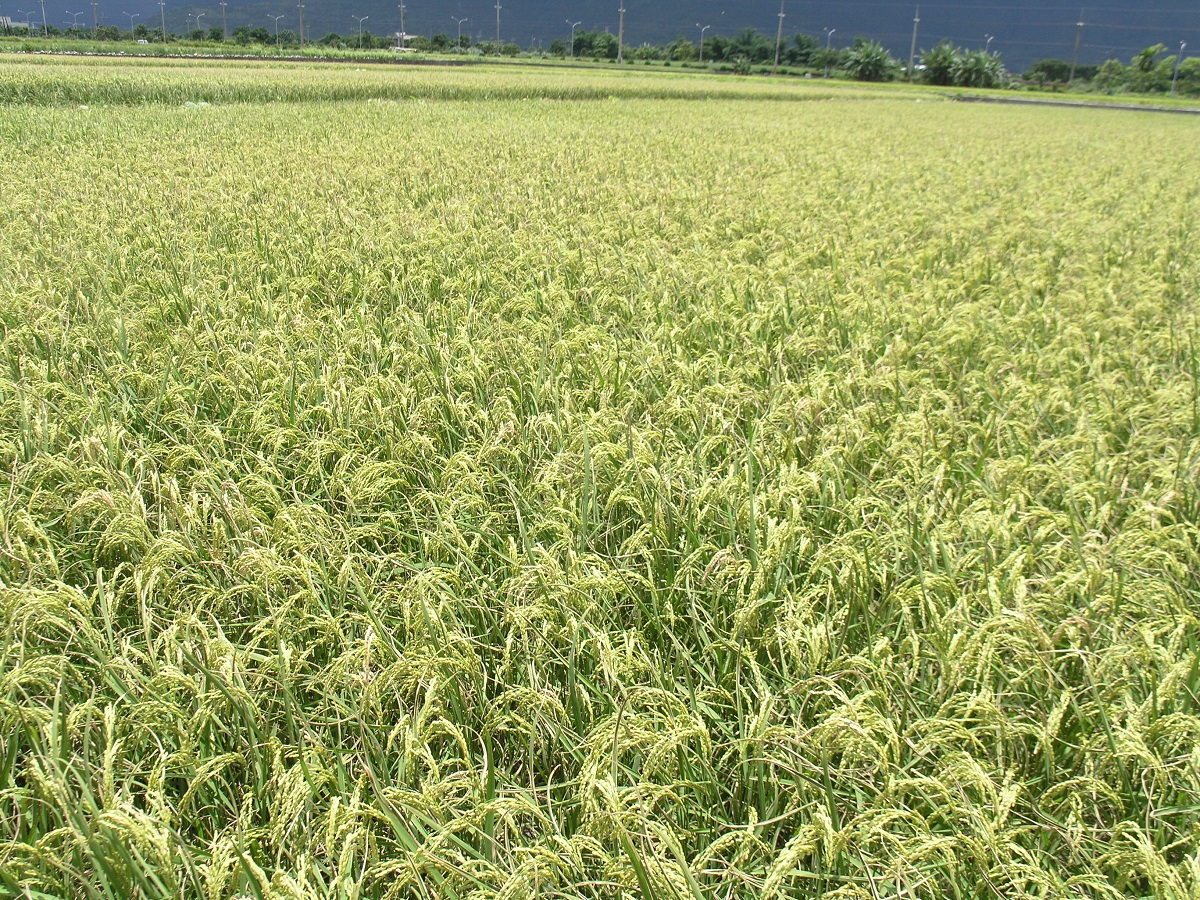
x=480 y=496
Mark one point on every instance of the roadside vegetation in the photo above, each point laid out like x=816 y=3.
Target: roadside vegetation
x=1152 y=72
x=724 y=497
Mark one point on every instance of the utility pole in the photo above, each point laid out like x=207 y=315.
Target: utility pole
x=301 y=4
x=497 y=27
x=912 y=53
x=95 y=19
x=1078 y=39
x=1178 y=61
x=778 y=39
x=45 y=27
x=162 y=12
x=621 y=34
x=224 y=22
x=403 y=33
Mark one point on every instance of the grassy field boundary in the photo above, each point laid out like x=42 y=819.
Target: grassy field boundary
x=53 y=80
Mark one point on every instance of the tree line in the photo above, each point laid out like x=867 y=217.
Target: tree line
x=1153 y=70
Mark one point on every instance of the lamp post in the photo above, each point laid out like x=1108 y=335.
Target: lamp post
x=703 y=29
x=361 y=19
x=458 y=42
x=573 y=25
x=829 y=33
x=76 y=15
x=988 y=38
x=198 y=28
x=1078 y=39
x=131 y=18
x=277 y=18
x=621 y=34
x=1178 y=61
x=912 y=53
x=778 y=39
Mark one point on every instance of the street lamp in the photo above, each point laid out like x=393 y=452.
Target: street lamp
x=829 y=33
x=459 y=21
x=76 y=15
x=131 y=18
x=198 y=28
x=361 y=19
x=778 y=39
x=573 y=25
x=276 y=18
x=621 y=35
x=28 y=14
x=988 y=38
x=1178 y=60
x=1078 y=39
x=703 y=29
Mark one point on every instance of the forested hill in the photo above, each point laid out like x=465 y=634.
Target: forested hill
x=1023 y=30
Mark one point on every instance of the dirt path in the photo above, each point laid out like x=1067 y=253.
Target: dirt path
x=1085 y=104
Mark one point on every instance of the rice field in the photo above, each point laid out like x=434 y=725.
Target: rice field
x=507 y=484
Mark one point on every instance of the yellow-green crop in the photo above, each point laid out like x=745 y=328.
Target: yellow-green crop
x=681 y=491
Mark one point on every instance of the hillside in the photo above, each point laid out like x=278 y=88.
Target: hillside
x=1023 y=32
